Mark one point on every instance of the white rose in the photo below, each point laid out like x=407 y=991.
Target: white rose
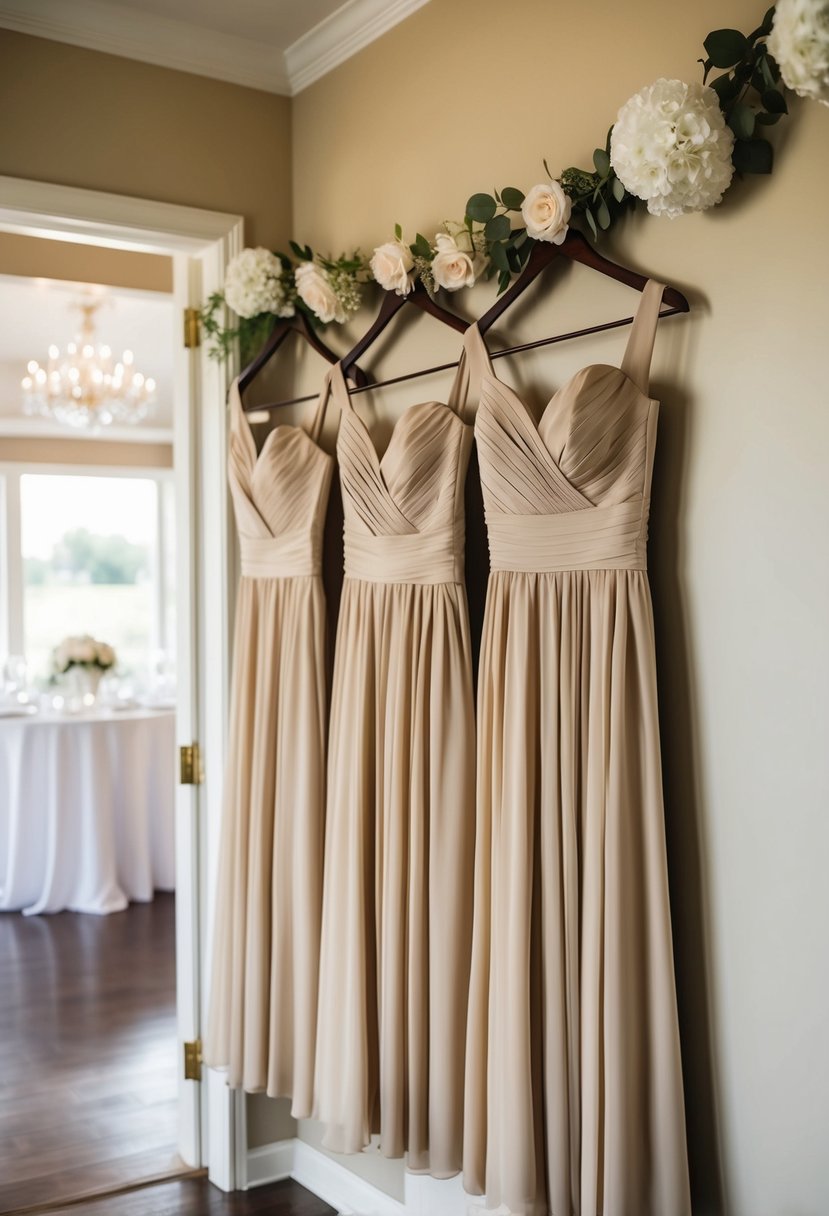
x=314 y=288
x=546 y=212
x=452 y=266
x=392 y=266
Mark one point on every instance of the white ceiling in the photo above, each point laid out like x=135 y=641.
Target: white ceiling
x=280 y=46
x=39 y=312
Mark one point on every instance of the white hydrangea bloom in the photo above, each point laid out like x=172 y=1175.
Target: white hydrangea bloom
x=671 y=147
x=255 y=283
x=799 y=41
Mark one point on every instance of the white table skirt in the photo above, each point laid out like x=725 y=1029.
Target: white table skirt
x=86 y=811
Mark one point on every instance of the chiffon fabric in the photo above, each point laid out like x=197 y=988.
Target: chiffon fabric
x=574 y=1102
x=263 y=1003
x=396 y=935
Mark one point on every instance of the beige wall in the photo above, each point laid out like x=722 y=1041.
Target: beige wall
x=467 y=94
x=98 y=452
x=37 y=258
x=81 y=118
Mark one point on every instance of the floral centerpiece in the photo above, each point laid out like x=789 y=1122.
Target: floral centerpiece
x=85 y=660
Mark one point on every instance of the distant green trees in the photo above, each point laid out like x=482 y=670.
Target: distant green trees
x=81 y=556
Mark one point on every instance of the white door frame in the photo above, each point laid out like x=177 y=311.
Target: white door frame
x=200 y=243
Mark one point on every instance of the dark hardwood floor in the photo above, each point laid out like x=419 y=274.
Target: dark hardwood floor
x=87 y=1053
x=196 y=1197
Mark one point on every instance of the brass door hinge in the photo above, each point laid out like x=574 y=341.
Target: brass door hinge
x=192 y=328
x=192 y=770
x=192 y=1060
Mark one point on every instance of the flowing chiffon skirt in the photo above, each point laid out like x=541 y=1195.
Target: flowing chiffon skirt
x=263 y=1004
x=573 y=1079
x=398 y=890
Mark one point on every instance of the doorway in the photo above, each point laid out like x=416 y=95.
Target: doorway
x=199 y=245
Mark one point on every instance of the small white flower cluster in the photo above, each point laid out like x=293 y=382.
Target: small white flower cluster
x=332 y=295
x=256 y=283
x=799 y=41
x=671 y=147
x=82 y=651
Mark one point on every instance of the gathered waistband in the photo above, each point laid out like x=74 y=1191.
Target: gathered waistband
x=416 y=557
x=597 y=538
x=290 y=555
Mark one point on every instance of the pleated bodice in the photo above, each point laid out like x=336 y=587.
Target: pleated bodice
x=404 y=510
x=280 y=497
x=571 y=492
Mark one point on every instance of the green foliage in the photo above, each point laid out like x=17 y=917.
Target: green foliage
x=748 y=91
x=84 y=556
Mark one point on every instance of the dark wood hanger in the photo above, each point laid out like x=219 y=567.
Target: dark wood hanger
x=577 y=248
x=389 y=308
x=297 y=324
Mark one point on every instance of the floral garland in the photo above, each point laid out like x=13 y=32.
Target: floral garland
x=674 y=146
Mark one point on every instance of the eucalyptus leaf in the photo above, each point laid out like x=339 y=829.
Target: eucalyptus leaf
x=398 y=232
x=725 y=86
x=512 y=198
x=503 y=281
x=591 y=221
x=481 y=207
x=775 y=102
x=753 y=156
x=768 y=21
x=603 y=214
x=618 y=190
x=741 y=120
x=766 y=73
x=422 y=247
x=498 y=256
x=725 y=47
x=768 y=120
x=497 y=229
x=602 y=162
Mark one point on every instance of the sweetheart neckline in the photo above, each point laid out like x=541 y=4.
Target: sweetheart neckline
x=416 y=405
x=281 y=426
x=589 y=367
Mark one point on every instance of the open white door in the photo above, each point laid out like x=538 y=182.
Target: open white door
x=188 y=846
x=201 y=243
x=207 y=1109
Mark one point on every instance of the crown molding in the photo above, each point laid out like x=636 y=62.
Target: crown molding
x=342 y=35
x=116 y=29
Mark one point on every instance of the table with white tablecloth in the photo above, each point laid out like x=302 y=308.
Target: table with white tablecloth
x=86 y=810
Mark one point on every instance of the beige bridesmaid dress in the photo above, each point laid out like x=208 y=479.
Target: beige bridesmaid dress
x=397 y=913
x=263 y=1002
x=574 y=1101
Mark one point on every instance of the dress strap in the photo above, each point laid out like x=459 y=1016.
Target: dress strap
x=318 y=421
x=239 y=424
x=637 y=361
x=472 y=365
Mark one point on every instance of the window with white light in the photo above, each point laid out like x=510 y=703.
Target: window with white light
x=90 y=553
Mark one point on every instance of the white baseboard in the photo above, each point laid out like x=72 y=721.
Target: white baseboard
x=339 y=1186
x=270 y=1163
x=346 y=1191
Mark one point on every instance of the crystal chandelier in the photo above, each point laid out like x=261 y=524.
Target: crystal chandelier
x=83 y=387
